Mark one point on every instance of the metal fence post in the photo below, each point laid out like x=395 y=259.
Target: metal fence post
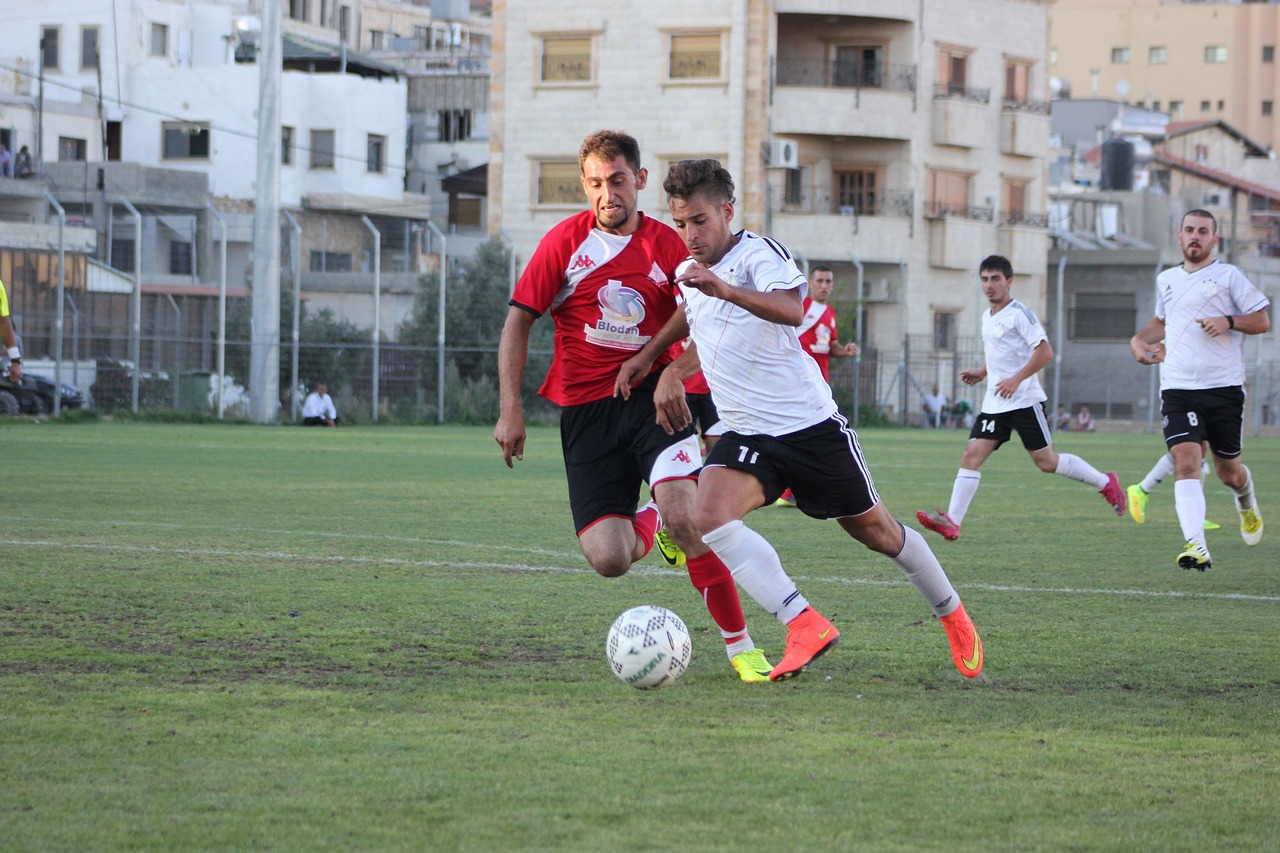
x=440 y=338
x=377 y=306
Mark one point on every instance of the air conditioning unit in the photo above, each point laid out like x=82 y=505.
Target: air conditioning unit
x=783 y=154
x=1214 y=200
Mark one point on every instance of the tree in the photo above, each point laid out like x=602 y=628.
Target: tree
x=476 y=308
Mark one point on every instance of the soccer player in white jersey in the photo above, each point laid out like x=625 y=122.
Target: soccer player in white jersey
x=743 y=297
x=1204 y=308
x=1016 y=349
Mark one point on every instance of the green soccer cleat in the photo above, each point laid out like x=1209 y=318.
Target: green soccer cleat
x=672 y=554
x=1250 y=526
x=751 y=666
x=1137 y=503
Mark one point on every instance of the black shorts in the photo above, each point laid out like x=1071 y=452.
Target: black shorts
x=1215 y=415
x=704 y=413
x=610 y=447
x=1030 y=424
x=822 y=464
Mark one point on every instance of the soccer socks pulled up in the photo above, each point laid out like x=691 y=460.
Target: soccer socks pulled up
x=962 y=492
x=713 y=580
x=921 y=566
x=1158 y=473
x=646 y=524
x=1188 y=499
x=1075 y=468
x=756 y=566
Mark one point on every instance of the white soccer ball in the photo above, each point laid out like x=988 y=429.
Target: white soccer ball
x=648 y=647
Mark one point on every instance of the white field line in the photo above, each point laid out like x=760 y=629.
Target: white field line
x=268 y=556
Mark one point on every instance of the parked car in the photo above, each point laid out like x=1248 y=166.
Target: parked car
x=34 y=395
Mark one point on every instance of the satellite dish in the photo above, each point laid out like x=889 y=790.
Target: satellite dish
x=1122 y=87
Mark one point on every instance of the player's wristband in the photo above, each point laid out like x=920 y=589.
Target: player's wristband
x=1231 y=322
x=14 y=355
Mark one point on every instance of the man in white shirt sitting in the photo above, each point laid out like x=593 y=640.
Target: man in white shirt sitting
x=318 y=410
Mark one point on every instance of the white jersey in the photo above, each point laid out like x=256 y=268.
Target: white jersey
x=1009 y=337
x=1193 y=359
x=762 y=380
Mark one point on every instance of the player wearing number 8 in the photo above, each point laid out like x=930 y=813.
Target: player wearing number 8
x=1016 y=349
x=1204 y=308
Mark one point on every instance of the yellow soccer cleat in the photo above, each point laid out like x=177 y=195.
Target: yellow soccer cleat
x=1137 y=503
x=672 y=554
x=1195 y=556
x=752 y=666
x=1250 y=526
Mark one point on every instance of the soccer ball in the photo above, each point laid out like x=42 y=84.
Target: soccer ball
x=648 y=647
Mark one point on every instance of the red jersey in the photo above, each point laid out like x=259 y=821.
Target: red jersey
x=817 y=330
x=607 y=294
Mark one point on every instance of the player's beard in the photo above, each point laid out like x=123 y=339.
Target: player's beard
x=1195 y=254
x=611 y=220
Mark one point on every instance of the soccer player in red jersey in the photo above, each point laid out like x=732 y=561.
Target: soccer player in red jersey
x=606 y=275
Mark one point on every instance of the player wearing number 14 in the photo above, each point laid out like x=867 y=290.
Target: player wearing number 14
x=1016 y=349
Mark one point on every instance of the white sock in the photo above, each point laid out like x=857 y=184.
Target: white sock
x=921 y=566
x=757 y=569
x=1162 y=469
x=1244 y=497
x=1188 y=499
x=962 y=492
x=1075 y=468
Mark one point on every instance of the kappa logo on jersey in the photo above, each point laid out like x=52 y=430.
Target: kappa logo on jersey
x=621 y=313
x=582 y=262
x=682 y=455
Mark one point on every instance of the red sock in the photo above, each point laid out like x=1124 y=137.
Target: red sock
x=712 y=578
x=645 y=525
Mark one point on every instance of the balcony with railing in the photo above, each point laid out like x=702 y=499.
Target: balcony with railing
x=960 y=115
x=1024 y=128
x=957 y=233
x=1023 y=238
x=834 y=97
x=812 y=218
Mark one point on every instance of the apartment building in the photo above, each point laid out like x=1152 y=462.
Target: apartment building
x=1197 y=60
x=897 y=143
x=155 y=106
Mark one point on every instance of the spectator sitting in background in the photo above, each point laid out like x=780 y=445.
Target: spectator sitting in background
x=1062 y=420
x=1084 y=420
x=317 y=408
x=935 y=407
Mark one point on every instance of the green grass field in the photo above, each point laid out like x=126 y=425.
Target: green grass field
x=227 y=637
